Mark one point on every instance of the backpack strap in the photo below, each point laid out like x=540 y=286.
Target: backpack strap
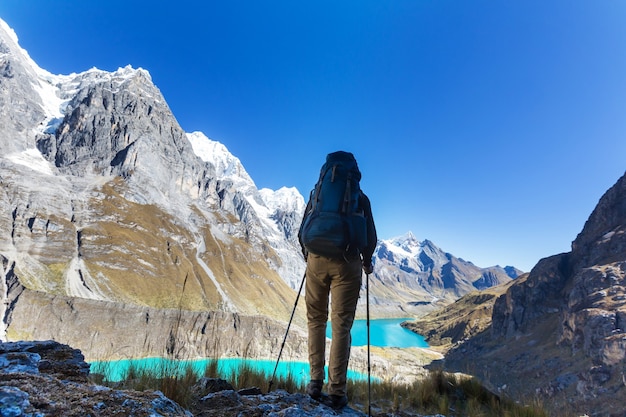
x=318 y=187
x=346 y=194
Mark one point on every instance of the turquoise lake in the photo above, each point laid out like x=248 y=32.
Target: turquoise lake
x=383 y=333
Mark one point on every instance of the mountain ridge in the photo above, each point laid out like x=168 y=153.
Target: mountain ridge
x=424 y=277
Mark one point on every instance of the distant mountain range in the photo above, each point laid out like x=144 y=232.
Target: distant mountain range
x=420 y=276
x=108 y=206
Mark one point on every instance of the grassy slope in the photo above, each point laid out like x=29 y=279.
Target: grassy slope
x=139 y=254
x=468 y=316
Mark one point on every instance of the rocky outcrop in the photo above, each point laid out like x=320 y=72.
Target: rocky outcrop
x=540 y=294
x=48 y=357
x=48 y=378
x=276 y=403
x=563 y=327
x=594 y=319
x=603 y=238
x=586 y=287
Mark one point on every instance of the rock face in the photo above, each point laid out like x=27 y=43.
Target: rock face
x=586 y=287
x=569 y=318
x=144 y=331
x=47 y=378
x=18 y=93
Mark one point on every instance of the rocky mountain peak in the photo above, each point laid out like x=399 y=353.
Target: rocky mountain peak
x=9 y=48
x=563 y=325
x=512 y=271
x=284 y=199
x=427 y=274
x=20 y=85
x=603 y=238
x=407 y=242
x=227 y=166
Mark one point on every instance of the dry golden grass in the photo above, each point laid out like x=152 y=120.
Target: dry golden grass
x=139 y=254
x=442 y=393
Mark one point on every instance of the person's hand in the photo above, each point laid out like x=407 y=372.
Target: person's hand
x=368 y=269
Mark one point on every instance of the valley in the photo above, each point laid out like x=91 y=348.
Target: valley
x=124 y=236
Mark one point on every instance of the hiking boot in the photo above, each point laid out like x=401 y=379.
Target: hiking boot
x=314 y=389
x=338 y=402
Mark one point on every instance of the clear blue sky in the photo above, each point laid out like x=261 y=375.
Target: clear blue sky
x=491 y=128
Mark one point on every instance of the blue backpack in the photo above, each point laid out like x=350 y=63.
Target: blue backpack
x=335 y=225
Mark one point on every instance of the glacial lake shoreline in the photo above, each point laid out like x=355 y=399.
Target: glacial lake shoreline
x=385 y=333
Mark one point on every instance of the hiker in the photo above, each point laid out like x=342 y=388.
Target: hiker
x=338 y=238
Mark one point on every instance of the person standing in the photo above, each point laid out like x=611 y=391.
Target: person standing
x=338 y=238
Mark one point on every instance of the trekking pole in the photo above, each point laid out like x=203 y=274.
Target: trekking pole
x=286 y=333
x=369 y=365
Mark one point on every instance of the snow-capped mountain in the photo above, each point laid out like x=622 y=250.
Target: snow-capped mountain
x=227 y=166
x=106 y=198
x=423 y=276
x=279 y=212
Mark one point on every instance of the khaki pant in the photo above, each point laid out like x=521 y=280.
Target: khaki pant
x=342 y=280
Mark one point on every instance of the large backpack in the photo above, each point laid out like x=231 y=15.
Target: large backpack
x=335 y=225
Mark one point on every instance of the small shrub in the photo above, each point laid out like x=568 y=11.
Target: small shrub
x=212 y=369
